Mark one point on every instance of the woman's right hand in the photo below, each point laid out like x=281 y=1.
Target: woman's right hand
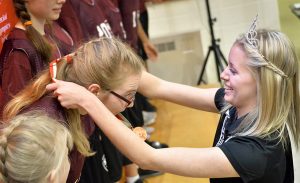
x=71 y=95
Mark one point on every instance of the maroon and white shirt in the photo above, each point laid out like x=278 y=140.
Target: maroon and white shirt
x=130 y=14
x=84 y=20
x=112 y=13
x=17 y=67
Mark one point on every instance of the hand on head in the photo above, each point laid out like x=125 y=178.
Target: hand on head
x=70 y=95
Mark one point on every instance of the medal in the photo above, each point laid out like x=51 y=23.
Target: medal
x=141 y=132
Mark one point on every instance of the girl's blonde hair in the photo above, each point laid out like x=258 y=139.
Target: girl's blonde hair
x=31 y=146
x=275 y=67
x=103 y=61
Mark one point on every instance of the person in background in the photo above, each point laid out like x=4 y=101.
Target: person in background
x=145 y=48
x=34 y=148
x=87 y=19
x=114 y=18
x=28 y=48
x=258 y=104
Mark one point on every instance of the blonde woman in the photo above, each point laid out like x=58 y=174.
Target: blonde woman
x=34 y=148
x=107 y=68
x=259 y=104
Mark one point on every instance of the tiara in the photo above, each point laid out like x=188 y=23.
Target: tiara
x=253 y=43
x=251 y=34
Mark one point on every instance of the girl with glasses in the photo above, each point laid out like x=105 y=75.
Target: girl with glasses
x=101 y=65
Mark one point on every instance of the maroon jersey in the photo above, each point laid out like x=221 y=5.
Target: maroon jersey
x=61 y=37
x=69 y=21
x=19 y=63
x=142 y=6
x=130 y=13
x=53 y=109
x=114 y=18
x=86 y=17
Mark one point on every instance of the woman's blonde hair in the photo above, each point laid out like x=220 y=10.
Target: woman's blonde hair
x=31 y=146
x=103 y=61
x=275 y=67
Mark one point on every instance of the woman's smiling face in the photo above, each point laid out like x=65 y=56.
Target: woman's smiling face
x=239 y=82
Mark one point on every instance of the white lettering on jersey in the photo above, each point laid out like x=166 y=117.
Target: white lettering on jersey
x=135 y=16
x=104 y=30
x=123 y=30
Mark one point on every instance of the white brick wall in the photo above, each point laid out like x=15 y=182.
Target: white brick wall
x=233 y=17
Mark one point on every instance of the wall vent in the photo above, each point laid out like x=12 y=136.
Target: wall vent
x=166 y=46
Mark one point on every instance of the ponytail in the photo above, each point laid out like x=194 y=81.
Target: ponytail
x=36 y=90
x=40 y=43
x=27 y=96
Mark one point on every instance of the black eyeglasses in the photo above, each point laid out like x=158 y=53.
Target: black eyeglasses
x=122 y=98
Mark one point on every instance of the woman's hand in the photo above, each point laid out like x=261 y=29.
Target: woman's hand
x=71 y=95
x=150 y=51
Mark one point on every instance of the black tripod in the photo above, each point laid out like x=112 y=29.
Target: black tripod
x=213 y=47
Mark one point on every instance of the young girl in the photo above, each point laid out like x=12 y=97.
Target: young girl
x=34 y=148
x=108 y=69
x=28 y=49
x=86 y=19
x=259 y=104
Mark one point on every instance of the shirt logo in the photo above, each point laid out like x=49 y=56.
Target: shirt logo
x=104 y=163
x=222 y=135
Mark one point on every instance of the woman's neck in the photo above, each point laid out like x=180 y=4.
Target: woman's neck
x=242 y=111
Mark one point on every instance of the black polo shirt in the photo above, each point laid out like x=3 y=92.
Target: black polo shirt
x=256 y=160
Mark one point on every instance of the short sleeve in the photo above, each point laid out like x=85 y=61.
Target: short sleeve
x=219 y=98
x=252 y=157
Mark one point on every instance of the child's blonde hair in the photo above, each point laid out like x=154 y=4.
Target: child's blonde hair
x=31 y=145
